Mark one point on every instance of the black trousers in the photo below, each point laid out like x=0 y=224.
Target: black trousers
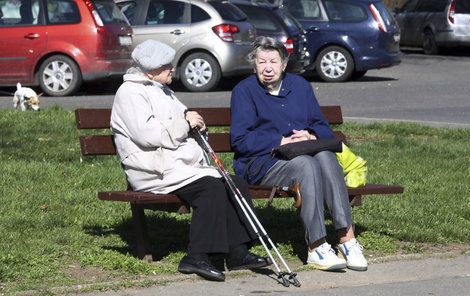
x=217 y=222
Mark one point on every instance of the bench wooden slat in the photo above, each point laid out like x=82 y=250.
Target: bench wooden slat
x=376 y=189
x=96 y=118
x=97 y=145
x=92 y=118
x=214 y=116
x=257 y=192
x=104 y=145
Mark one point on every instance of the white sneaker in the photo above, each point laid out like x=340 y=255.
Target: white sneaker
x=324 y=258
x=352 y=252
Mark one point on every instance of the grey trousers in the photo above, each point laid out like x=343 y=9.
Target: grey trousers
x=321 y=182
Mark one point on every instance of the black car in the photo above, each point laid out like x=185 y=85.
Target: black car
x=276 y=22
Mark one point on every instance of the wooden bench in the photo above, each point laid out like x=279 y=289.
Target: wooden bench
x=220 y=142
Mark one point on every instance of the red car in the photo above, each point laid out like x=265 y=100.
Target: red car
x=58 y=44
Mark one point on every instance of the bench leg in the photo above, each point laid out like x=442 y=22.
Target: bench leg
x=140 y=230
x=355 y=200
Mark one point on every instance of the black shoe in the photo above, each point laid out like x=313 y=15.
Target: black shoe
x=200 y=267
x=249 y=261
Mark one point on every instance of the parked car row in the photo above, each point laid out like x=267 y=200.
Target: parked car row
x=57 y=44
x=434 y=24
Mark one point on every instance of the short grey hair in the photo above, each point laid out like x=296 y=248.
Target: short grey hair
x=267 y=43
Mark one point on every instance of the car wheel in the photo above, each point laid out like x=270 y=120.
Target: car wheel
x=334 y=64
x=358 y=74
x=59 y=76
x=429 y=43
x=200 y=72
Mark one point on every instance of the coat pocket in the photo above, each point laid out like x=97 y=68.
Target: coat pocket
x=148 y=161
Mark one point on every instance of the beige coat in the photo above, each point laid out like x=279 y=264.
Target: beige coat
x=151 y=137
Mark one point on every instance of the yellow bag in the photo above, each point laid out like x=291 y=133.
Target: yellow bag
x=354 y=167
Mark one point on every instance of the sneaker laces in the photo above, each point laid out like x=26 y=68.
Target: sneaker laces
x=326 y=248
x=353 y=246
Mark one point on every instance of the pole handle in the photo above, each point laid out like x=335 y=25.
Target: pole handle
x=295 y=189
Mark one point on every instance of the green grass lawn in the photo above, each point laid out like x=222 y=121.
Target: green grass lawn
x=55 y=231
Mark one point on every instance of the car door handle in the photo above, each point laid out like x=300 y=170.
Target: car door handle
x=314 y=29
x=31 y=36
x=177 y=32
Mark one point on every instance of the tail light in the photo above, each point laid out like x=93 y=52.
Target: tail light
x=225 y=32
x=451 y=12
x=96 y=17
x=289 y=44
x=378 y=18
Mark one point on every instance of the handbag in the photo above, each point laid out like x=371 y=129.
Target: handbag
x=308 y=147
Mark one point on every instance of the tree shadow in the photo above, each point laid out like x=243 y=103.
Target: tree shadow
x=168 y=234
x=451 y=52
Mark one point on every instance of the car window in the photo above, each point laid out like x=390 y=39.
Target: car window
x=19 y=12
x=260 y=19
x=344 y=11
x=62 y=12
x=304 y=9
x=165 y=12
x=109 y=12
x=228 y=11
x=462 y=6
x=198 y=14
x=129 y=8
x=292 y=24
x=432 y=6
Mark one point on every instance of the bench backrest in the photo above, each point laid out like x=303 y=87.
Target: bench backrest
x=220 y=142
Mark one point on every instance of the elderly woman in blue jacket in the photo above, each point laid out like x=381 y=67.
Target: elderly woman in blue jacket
x=273 y=108
x=151 y=132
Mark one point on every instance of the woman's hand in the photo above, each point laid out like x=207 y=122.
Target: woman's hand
x=298 y=136
x=302 y=135
x=195 y=120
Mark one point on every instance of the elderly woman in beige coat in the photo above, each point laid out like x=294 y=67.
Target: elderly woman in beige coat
x=150 y=127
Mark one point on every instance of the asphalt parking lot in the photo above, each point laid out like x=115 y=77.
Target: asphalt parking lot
x=431 y=90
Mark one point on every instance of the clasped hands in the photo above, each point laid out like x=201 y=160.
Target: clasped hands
x=195 y=120
x=298 y=136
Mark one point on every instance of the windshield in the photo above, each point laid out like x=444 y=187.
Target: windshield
x=229 y=11
x=293 y=25
x=462 y=6
x=109 y=12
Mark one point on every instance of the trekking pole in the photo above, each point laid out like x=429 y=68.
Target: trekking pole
x=284 y=277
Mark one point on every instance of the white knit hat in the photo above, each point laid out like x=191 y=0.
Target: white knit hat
x=152 y=54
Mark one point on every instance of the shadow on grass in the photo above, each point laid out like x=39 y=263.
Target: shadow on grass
x=168 y=235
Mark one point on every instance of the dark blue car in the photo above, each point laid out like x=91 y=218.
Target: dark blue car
x=347 y=37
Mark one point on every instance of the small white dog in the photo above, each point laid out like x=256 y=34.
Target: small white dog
x=25 y=98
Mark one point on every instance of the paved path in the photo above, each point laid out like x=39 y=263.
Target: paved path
x=447 y=274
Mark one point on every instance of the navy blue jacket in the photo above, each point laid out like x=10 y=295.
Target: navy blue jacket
x=260 y=120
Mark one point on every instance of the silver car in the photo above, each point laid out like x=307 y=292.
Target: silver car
x=211 y=38
x=434 y=24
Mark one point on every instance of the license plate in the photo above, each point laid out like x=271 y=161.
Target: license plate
x=125 y=40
